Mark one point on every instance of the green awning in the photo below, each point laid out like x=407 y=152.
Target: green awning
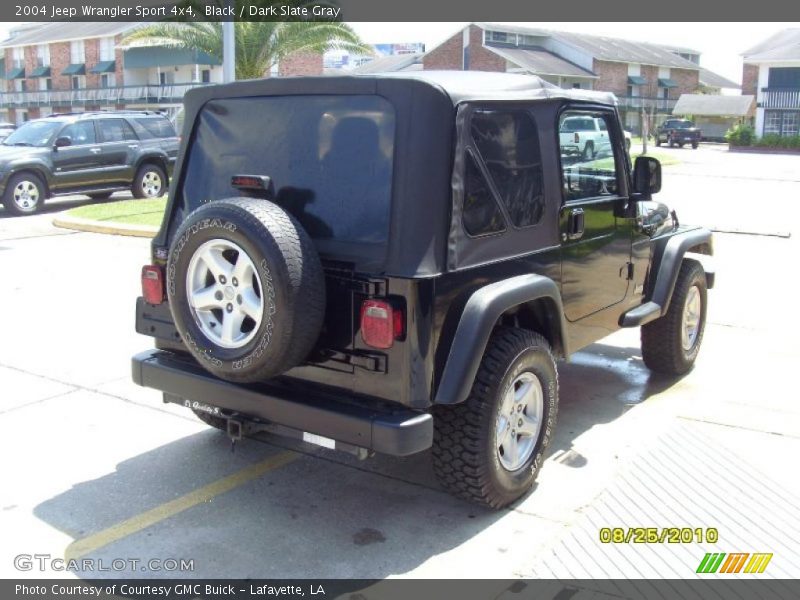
x=16 y=73
x=75 y=69
x=667 y=83
x=41 y=72
x=636 y=80
x=106 y=66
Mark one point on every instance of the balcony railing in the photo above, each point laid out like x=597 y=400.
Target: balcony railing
x=779 y=98
x=126 y=94
x=659 y=104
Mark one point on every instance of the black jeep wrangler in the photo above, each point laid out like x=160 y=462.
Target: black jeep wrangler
x=395 y=263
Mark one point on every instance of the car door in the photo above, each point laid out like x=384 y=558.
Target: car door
x=119 y=143
x=595 y=241
x=77 y=165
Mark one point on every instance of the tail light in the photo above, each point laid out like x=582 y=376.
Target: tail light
x=381 y=323
x=153 y=284
x=577 y=138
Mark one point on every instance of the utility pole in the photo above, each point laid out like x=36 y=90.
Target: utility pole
x=228 y=48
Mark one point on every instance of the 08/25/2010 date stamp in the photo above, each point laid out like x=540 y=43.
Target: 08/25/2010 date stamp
x=658 y=535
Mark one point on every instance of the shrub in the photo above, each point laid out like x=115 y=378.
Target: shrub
x=740 y=135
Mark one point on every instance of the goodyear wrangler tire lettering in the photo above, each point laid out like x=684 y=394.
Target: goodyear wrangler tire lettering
x=246 y=289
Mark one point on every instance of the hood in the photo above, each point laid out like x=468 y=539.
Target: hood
x=11 y=152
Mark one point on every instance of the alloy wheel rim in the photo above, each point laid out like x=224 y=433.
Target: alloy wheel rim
x=690 y=325
x=519 y=421
x=151 y=184
x=26 y=195
x=224 y=293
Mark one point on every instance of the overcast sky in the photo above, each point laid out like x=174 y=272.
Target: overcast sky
x=720 y=44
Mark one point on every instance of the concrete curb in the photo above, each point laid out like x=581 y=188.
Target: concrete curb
x=66 y=221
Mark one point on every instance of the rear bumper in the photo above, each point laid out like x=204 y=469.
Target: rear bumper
x=396 y=432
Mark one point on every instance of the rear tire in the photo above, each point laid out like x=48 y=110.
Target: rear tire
x=695 y=145
x=24 y=194
x=478 y=454
x=658 y=141
x=150 y=182
x=588 y=151
x=670 y=344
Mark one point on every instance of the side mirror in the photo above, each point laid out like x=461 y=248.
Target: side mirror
x=646 y=176
x=64 y=140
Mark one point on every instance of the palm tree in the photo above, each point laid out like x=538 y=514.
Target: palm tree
x=260 y=45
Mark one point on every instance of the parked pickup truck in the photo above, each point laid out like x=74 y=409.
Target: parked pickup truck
x=584 y=136
x=678 y=132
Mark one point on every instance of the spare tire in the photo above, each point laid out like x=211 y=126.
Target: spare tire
x=245 y=288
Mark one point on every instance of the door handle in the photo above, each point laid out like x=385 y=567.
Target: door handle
x=133 y=146
x=576 y=224
x=95 y=150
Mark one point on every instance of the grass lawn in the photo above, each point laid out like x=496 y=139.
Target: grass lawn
x=129 y=212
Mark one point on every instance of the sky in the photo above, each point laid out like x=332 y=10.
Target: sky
x=720 y=44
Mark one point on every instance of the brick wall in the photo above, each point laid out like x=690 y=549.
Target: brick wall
x=481 y=59
x=59 y=60
x=301 y=63
x=749 y=79
x=688 y=81
x=31 y=83
x=120 y=80
x=649 y=89
x=449 y=55
x=91 y=49
x=612 y=76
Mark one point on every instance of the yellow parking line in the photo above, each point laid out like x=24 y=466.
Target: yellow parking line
x=89 y=544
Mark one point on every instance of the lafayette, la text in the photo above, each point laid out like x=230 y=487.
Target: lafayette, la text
x=191 y=590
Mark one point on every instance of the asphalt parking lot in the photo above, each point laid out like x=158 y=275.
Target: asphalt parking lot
x=95 y=467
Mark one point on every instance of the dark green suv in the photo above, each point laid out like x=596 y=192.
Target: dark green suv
x=93 y=153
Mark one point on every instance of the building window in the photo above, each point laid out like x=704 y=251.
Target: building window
x=784 y=77
x=205 y=75
x=107 y=48
x=45 y=84
x=78 y=82
x=790 y=123
x=107 y=80
x=785 y=123
x=77 y=53
x=18 y=57
x=43 y=55
x=166 y=78
x=576 y=86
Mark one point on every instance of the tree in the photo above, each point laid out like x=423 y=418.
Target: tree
x=259 y=45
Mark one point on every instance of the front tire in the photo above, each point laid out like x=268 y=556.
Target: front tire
x=695 y=145
x=489 y=449
x=671 y=343
x=150 y=182
x=588 y=151
x=24 y=194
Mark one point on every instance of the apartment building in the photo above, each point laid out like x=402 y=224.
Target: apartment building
x=642 y=75
x=771 y=72
x=73 y=67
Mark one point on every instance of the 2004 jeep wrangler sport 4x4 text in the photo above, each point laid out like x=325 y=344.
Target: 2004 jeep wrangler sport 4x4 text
x=395 y=263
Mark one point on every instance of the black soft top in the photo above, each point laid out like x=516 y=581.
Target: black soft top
x=425 y=104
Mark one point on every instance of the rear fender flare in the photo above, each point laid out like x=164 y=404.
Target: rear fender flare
x=480 y=316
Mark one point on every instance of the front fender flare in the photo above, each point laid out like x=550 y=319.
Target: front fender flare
x=666 y=269
x=480 y=315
